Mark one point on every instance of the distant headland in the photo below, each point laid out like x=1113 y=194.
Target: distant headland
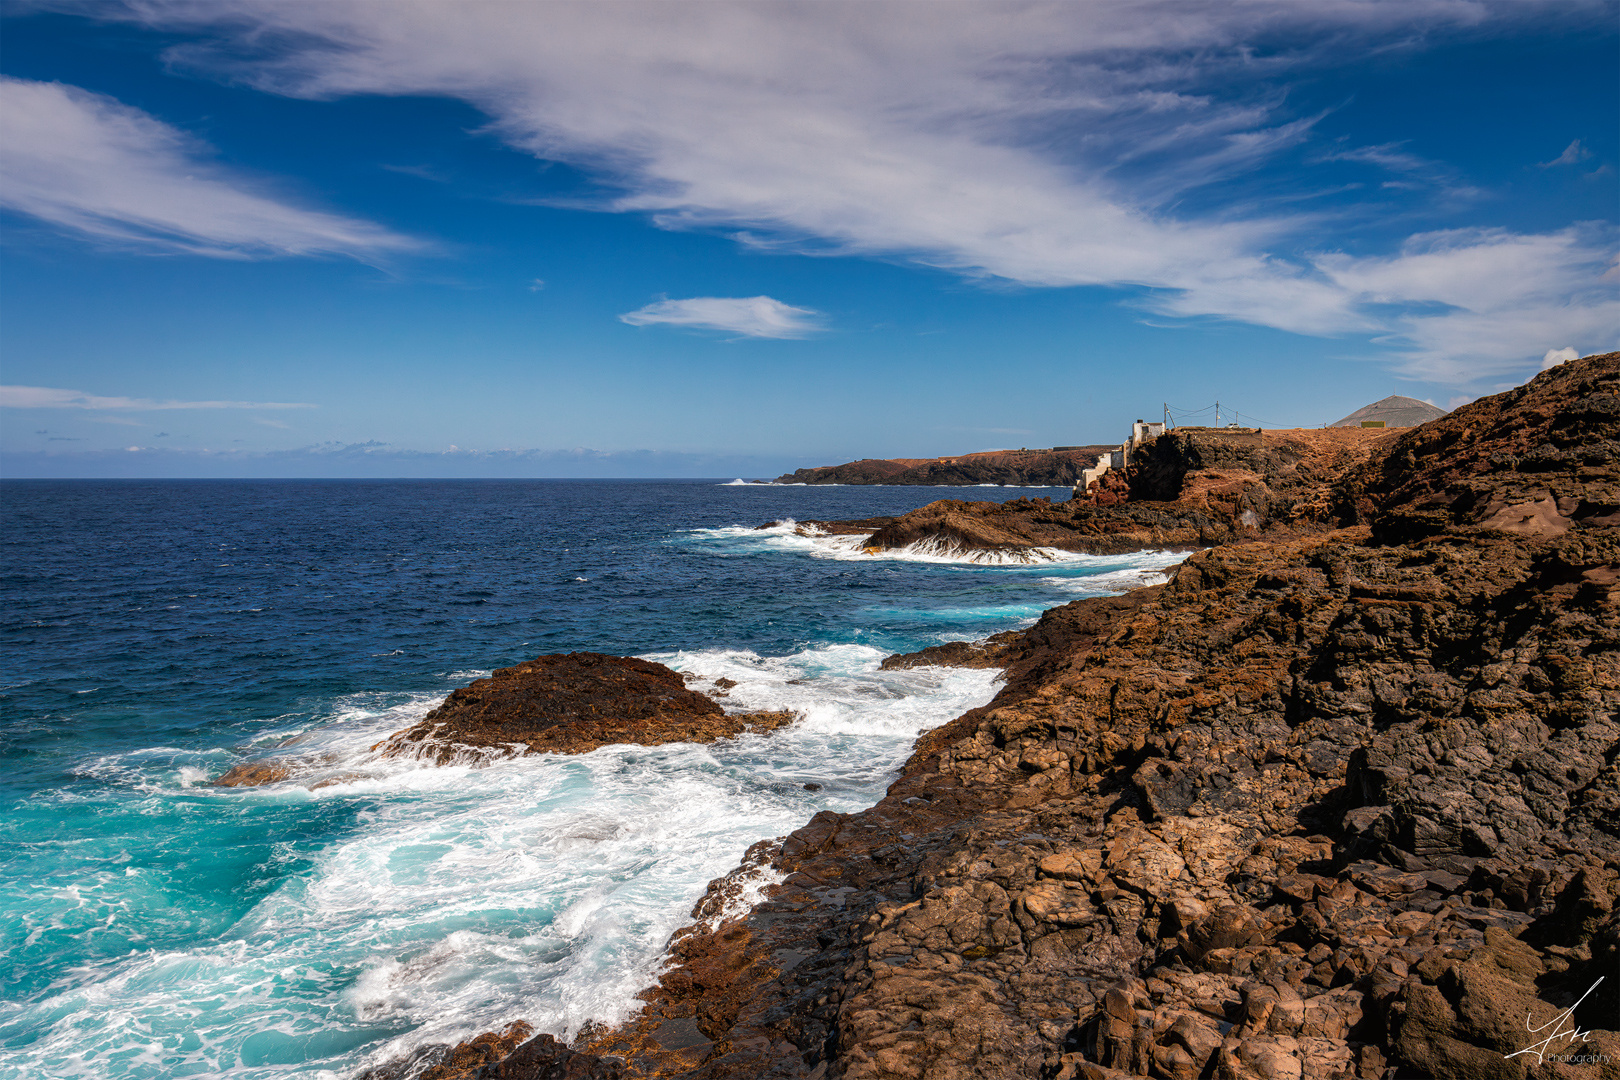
x=1063 y=466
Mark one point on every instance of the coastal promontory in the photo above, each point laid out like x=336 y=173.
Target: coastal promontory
x=1059 y=466
x=1340 y=800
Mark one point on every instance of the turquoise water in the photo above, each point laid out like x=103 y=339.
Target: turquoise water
x=158 y=633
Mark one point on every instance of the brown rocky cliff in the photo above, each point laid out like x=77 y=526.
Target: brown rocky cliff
x=1191 y=488
x=1533 y=461
x=1341 y=803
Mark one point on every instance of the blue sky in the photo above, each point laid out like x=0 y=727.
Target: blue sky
x=254 y=238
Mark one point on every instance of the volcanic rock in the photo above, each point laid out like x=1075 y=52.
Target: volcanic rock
x=570 y=704
x=1188 y=489
x=989 y=653
x=1341 y=801
x=254 y=774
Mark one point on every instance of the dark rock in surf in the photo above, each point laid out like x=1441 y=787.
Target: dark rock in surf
x=572 y=703
x=254 y=774
x=989 y=653
x=514 y=1054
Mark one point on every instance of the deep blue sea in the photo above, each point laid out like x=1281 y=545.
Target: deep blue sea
x=157 y=633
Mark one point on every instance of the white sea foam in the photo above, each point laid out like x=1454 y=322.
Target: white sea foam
x=459 y=898
x=811 y=539
x=542 y=887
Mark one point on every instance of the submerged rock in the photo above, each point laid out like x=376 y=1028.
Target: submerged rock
x=571 y=703
x=254 y=774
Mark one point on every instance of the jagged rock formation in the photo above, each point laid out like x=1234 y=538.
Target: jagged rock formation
x=1046 y=468
x=1343 y=802
x=569 y=704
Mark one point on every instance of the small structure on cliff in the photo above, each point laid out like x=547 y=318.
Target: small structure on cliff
x=1142 y=431
x=1393 y=411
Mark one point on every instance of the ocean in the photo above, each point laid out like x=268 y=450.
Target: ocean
x=158 y=632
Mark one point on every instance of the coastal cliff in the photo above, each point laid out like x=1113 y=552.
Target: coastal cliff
x=1189 y=489
x=1341 y=799
x=1014 y=468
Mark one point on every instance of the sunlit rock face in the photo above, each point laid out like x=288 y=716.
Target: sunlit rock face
x=571 y=703
x=1335 y=803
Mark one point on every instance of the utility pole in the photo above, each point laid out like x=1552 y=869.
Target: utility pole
x=1217 y=414
x=1167 y=423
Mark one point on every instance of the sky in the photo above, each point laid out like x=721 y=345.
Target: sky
x=361 y=238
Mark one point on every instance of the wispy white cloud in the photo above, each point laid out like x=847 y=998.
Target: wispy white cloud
x=48 y=397
x=1573 y=154
x=97 y=167
x=1417 y=173
x=1045 y=144
x=1469 y=304
x=1391 y=156
x=1555 y=357
x=750 y=316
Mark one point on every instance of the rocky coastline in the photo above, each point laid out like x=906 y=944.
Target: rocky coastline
x=1340 y=800
x=1058 y=467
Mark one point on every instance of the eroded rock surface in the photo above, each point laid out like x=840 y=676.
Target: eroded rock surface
x=1340 y=803
x=572 y=703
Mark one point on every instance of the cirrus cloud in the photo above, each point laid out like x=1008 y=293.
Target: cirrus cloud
x=750 y=316
x=92 y=165
x=1042 y=144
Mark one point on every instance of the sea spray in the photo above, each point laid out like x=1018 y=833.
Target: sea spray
x=542 y=887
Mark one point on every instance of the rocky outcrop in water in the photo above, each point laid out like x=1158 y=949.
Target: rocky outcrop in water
x=955 y=527
x=570 y=704
x=1339 y=803
x=254 y=774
